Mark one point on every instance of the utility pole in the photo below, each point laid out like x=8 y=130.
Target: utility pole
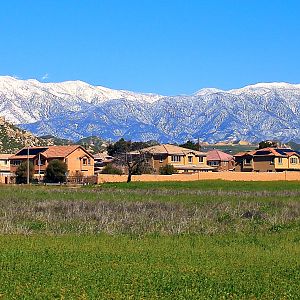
x=28 y=164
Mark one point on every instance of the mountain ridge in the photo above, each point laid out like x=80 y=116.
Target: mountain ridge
x=75 y=110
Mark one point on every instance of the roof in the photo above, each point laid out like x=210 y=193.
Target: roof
x=61 y=151
x=5 y=156
x=213 y=155
x=48 y=152
x=278 y=152
x=171 y=150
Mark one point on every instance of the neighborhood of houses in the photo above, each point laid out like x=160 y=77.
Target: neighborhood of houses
x=82 y=164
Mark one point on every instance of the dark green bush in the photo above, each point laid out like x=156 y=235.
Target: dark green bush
x=111 y=169
x=56 y=171
x=167 y=170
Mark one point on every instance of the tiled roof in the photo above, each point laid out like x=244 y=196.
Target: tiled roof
x=278 y=152
x=5 y=156
x=171 y=150
x=59 y=151
x=218 y=155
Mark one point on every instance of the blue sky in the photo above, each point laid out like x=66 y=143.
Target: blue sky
x=161 y=46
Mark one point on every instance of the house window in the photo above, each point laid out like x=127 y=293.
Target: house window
x=190 y=159
x=175 y=158
x=248 y=161
x=272 y=161
x=84 y=161
x=201 y=159
x=294 y=160
x=16 y=162
x=280 y=160
x=213 y=163
x=161 y=159
x=89 y=161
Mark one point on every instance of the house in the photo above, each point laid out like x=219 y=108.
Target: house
x=268 y=160
x=183 y=159
x=79 y=161
x=101 y=160
x=5 y=174
x=221 y=161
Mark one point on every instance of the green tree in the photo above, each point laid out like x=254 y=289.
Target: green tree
x=21 y=172
x=119 y=147
x=167 y=170
x=267 y=144
x=56 y=171
x=190 y=145
x=111 y=169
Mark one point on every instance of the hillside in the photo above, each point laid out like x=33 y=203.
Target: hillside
x=12 y=138
x=75 y=110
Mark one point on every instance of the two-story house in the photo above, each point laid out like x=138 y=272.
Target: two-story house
x=268 y=160
x=183 y=159
x=78 y=159
x=220 y=160
x=5 y=173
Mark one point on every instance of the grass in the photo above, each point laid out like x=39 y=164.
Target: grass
x=195 y=240
x=123 y=267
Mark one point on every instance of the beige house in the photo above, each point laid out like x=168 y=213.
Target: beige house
x=79 y=161
x=183 y=159
x=5 y=174
x=268 y=160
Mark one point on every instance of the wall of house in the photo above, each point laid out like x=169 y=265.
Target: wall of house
x=231 y=176
x=284 y=165
x=157 y=163
x=74 y=163
x=294 y=166
x=4 y=165
x=263 y=164
x=6 y=178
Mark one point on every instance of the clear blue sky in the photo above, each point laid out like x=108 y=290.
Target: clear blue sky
x=162 y=46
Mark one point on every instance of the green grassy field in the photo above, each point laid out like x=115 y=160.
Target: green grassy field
x=195 y=240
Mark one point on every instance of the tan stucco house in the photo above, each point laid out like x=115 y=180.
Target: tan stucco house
x=183 y=159
x=78 y=159
x=268 y=160
x=5 y=174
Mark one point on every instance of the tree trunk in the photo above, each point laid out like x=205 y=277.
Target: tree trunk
x=129 y=176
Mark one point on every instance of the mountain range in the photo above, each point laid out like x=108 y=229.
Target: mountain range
x=75 y=109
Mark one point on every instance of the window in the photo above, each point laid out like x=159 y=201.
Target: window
x=213 y=163
x=175 y=158
x=161 y=159
x=190 y=159
x=248 y=161
x=84 y=161
x=89 y=161
x=280 y=160
x=201 y=159
x=15 y=162
x=272 y=161
x=294 y=160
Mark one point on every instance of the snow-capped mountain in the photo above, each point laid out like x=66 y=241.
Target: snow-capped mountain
x=75 y=109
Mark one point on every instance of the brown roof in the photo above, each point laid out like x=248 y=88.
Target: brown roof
x=61 y=151
x=214 y=155
x=171 y=150
x=16 y=157
x=5 y=156
x=269 y=152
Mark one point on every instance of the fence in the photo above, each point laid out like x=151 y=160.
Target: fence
x=231 y=176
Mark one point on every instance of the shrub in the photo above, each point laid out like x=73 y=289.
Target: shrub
x=111 y=169
x=56 y=171
x=21 y=172
x=167 y=170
